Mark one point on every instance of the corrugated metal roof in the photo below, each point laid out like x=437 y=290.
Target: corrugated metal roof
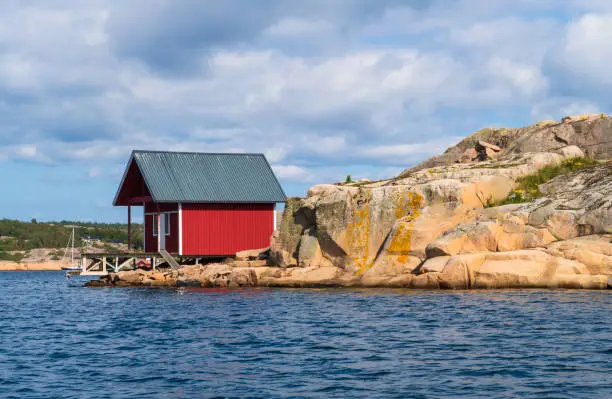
x=207 y=177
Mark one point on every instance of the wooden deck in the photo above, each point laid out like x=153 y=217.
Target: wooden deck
x=134 y=254
x=101 y=264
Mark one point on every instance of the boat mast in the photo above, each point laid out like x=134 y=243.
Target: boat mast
x=72 y=252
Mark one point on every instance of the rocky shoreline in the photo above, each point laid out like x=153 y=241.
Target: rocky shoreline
x=458 y=221
x=222 y=277
x=26 y=266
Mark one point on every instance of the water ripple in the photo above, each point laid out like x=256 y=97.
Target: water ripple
x=61 y=340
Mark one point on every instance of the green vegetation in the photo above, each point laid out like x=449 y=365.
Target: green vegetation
x=528 y=186
x=348 y=179
x=24 y=236
x=11 y=257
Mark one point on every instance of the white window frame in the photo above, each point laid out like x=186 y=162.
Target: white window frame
x=167 y=223
x=166 y=216
x=180 y=227
x=155 y=225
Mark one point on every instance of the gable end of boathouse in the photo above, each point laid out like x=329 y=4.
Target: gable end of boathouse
x=201 y=204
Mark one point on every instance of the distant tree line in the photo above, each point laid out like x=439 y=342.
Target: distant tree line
x=16 y=235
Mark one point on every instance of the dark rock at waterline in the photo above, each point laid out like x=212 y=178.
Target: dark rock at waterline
x=102 y=282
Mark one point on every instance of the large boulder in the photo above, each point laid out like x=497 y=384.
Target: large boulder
x=286 y=240
x=353 y=223
x=310 y=253
x=216 y=275
x=508 y=233
x=595 y=252
x=405 y=246
x=581 y=199
x=129 y=277
x=157 y=279
x=517 y=269
x=304 y=277
x=253 y=254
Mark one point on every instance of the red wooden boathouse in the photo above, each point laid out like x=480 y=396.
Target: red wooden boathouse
x=202 y=204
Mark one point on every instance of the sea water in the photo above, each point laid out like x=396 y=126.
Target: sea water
x=60 y=340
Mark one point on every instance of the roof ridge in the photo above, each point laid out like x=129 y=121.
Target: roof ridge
x=181 y=176
x=198 y=153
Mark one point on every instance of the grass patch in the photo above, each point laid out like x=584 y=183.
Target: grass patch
x=528 y=186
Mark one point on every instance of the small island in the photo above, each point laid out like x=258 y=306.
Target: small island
x=505 y=208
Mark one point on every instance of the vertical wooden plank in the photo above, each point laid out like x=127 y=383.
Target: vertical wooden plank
x=129 y=228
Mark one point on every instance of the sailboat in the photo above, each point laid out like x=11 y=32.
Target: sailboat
x=72 y=266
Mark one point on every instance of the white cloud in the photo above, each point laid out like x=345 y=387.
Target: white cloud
x=26 y=151
x=586 y=51
x=298 y=27
x=274 y=155
x=95 y=172
x=526 y=79
x=558 y=108
x=293 y=173
x=344 y=86
x=426 y=148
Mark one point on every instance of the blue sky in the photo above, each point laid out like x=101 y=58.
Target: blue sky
x=323 y=88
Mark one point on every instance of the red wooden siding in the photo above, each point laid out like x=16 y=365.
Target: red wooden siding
x=224 y=229
x=150 y=240
x=172 y=240
x=133 y=187
x=152 y=207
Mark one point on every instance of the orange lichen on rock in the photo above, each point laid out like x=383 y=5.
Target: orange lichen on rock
x=358 y=233
x=407 y=207
x=408 y=204
x=408 y=210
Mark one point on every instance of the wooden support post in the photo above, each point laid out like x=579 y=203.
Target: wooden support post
x=104 y=264
x=129 y=228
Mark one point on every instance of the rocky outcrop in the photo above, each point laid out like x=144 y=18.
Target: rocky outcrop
x=517 y=269
x=436 y=226
x=510 y=232
x=595 y=252
x=392 y=232
x=286 y=239
x=591 y=133
x=380 y=228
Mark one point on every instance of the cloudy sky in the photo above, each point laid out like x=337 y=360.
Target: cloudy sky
x=323 y=87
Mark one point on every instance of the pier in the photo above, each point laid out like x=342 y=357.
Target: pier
x=101 y=264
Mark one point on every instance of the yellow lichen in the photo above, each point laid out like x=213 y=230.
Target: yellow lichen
x=406 y=206
x=409 y=210
x=358 y=233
